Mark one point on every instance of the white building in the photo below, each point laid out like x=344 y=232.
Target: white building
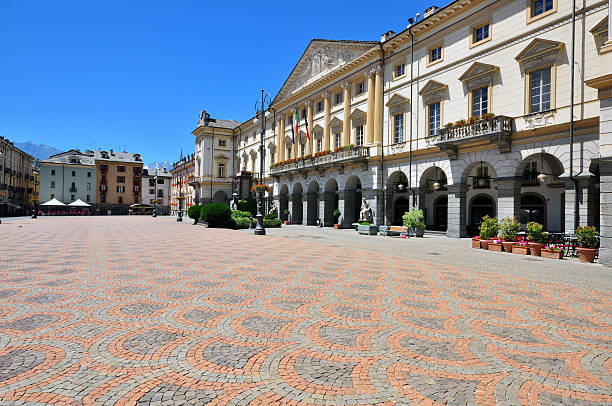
x=156 y=187
x=68 y=176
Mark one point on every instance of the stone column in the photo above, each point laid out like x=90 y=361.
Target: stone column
x=296 y=140
x=370 y=111
x=305 y=199
x=378 y=107
x=457 y=211
x=346 y=124
x=281 y=139
x=508 y=198
x=310 y=148
x=322 y=202
x=583 y=203
x=347 y=201
x=389 y=204
x=326 y=121
x=341 y=207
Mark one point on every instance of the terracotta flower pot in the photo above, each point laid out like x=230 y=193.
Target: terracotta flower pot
x=476 y=244
x=536 y=247
x=337 y=226
x=586 y=254
x=286 y=222
x=495 y=247
x=508 y=246
x=484 y=244
x=517 y=249
x=544 y=253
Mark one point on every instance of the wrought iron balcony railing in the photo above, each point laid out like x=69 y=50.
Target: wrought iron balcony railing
x=354 y=154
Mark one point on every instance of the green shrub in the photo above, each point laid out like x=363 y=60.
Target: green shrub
x=535 y=232
x=509 y=228
x=272 y=223
x=413 y=219
x=488 y=228
x=587 y=236
x=337 y=213
x=249 y=205
x=216 y=214
x=241 y=222
x=231 y=223
x=364 y=223
x=286 y=212
x=271 y=216
x=194 y=211
x=240 y=214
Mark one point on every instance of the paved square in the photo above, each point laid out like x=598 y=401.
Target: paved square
x=142 y=311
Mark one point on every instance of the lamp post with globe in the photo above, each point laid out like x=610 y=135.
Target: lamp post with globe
x=263 y=111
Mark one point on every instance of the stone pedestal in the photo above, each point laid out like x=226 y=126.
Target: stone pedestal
x=457 y=211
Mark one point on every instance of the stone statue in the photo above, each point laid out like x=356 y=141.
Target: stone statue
x=273 y=208
x=366 y=212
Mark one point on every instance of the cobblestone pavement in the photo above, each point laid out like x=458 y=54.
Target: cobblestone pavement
x=142 y=311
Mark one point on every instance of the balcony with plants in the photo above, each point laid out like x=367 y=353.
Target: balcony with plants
x=342 y=155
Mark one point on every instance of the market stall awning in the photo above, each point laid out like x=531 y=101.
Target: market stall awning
x=141 y=206
x=79 y=203
x=53 y=202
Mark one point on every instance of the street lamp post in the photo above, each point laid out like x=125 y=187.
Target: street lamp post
x=155 y=199
x=261 y=114
x=180 y=199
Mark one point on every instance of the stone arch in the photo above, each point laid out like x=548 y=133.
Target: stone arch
x=530 y=211
x=435 y=216
x=480 y=205
x=220 y=197
x=296 y=204
x=330 y=202
x=462 y=166
x=352 y=200
x=397 y=197
x=283 y=200
x=312 y=203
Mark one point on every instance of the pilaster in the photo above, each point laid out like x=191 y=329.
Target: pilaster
x=346 y=124
x=310 y=149
x=378 y=107
x=508 y=198
x=585 y=211
x=326 y=122
x=370 y=109
x=456 y=211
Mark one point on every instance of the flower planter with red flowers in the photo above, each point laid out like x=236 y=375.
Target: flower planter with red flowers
x=588 y=239
x=521 y=248
x=484 y=244
x=337 y=226
x=286 y=222
x=495 y=245
x=476 y=242
x=552 y=253
x=260 y=188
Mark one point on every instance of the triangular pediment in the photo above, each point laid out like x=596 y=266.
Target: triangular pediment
x=288 y=140
x=478 y=69
x=539 y=47
x=319 y=59
x=357 y=114
x=397 y=99
x=335 y=122
x=432 y=87
x=601 y=27
x=317 y=128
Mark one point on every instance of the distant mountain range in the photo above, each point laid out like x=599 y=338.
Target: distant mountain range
x=39 y=151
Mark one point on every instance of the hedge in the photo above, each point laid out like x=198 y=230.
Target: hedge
x=194 y=211
x=272 y=223
x=241 y=222
x=240 y=214
x=216 y=214
x=249 y=205
x=271 y=216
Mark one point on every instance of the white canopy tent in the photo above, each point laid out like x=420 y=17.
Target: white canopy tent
x=79 y=203
x=53 y=202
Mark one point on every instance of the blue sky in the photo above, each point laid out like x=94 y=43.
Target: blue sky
x=134 y=75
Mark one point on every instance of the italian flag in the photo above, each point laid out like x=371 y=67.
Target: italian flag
x=297 y=121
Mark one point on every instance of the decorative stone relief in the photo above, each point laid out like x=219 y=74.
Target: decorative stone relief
x=539 y=120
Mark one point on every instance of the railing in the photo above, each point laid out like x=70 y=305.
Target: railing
x=203 y=179
x=355 y=153
x=530 y=180
x=481 y=182
x=497 y=125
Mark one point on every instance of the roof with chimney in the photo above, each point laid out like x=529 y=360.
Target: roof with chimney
x=115 y=156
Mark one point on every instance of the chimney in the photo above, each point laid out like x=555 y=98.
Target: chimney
x=384 y=37
x=163 y=169
x=111 y=152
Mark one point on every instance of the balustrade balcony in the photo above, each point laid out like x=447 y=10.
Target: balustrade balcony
x=349 y=155
x=496 y=129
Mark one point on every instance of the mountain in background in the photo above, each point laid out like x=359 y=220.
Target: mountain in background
x=39 y=151
x=160 y=165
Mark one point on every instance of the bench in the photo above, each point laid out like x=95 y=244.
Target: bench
x=393 y=231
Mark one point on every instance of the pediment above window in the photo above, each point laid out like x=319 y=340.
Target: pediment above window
x=433 y=91
x=540 y=50
x=317 y=131
x=335 y=122
x=358 y=117
x=397 y=99
x=288 y=140
x=253 y=153
x=221 y=158
x=479 y=74
x=600 y=32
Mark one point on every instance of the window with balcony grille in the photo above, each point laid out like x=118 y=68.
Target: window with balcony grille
x=540 y=90
x=337 y=140
x=359 y=135
x=530 y=174
x=221 y=171
x=120 y=189
x=398 y=128
x=480 y=101
x=433 y=119
x=319 y=145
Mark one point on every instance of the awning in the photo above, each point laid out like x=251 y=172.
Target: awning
x=53 y=202
x=141 y=206
x=79 y=203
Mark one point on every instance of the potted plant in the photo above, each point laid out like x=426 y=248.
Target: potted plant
x=488 y=230
x=521 y=248
x=495 y=245
x=537 y=237
x=508 y=229
x=367 y=228
x=337 y=215
x=588 y=241
x=413 y=220
x=476 y=242
x=550 y=251
x=286 y=213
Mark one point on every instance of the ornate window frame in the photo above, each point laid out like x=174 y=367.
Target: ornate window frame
x=477 y=76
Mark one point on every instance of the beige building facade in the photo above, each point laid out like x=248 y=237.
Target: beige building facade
x=182 y=172
x=466 y=112
x=119 y=181
x=18 y=180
